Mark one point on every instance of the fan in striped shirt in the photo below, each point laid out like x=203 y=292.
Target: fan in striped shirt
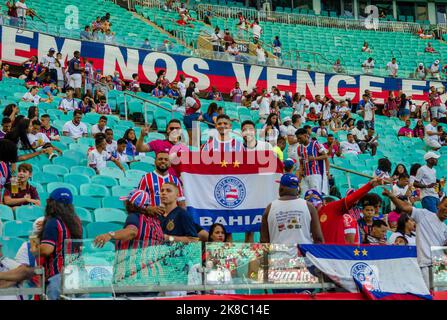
x=222 y=142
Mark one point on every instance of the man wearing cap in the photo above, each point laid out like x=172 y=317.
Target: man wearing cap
x=49 y=62
x=431 y=230
x=421 y=72
x=337 y=224
x=435 y=70
x=426 y=181
x=289 y=219
x=432 y=135
x=61 y=223
x=284 y=127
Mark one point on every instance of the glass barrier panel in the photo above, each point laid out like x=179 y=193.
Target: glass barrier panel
x=439 y=268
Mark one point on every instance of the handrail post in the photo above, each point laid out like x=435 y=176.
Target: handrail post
x=145 y=113
x=125 y=106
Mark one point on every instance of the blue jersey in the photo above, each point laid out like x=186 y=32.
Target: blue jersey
x=178 y=223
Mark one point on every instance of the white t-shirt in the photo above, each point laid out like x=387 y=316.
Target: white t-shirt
x=34 y=138
x=48 y=62
x=369 y=112
x=121 y=157
x=398 y=191
x=7 y=264
x=264 y=107
x=30 y=98
x=283 y=130
x=111 y=147
x=431 y=128
x=75 y=131
x=95 y=129
x=392 y=67
x=434 y=68
x=426 y=176
x=347 y=147
x=22 y=256
x=367 y=66
x=257 y=31
x=21 y=9
x=293 y=148
x=260 y=53
x=98 y=160
x=360 y=134
x=215 y=39
x=316 y=106
x=233 y=51
x=430 y=231
x=68 y=105
x=410 y=238
x=182 y=88
x=300 y=107
x=327 y=112
x=260 y=146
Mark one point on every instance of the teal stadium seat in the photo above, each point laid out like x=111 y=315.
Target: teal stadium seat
x=17 y=229
x=86 y=171
x=10 y=246
x=6 y=213
x=54 y=185
x=109 y=215
x=113 y=202
x=121 y=191
x=28 y=213
x=94 y=190
x=76 y=179
x=87 y=202
x=105 y=181
x=55 y=169
x=84 y=215
x=112 y=172
x=96 y=228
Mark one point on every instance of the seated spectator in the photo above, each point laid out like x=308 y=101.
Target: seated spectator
x=321 y=130
x=166 y=46
x=32 y=96
x=172 y=91
x=366 y=221
x=146 y=45
x=360 y=133
x=6 y=127
x=23 y=193
x=118 y=84
x=158 y=91
x=366 y=47
x=313 y=115
x=421 y=72
x=103 y=107
x=11 y=111
x=120 y=152
x=402 y=189
x=425 y=34
x=284 y=127
x=32 y=80
x=135 y=84
x=435 y=70
x=278 y=147
x=432 y=135
x=211 y=115
x=377 y=234
x=98 y=157
x=39 y=140
x=277 y=47
x=215 y=95
x=131 y=149
x=87 y=104
x=419 y=130
x=333 y=146
x=5 y=71
x=109 y=37
x=337 y=66
x=176 y=223
x=406 y=131
x=383 y=170
x=179 y=106
x=371 y=142
x=111 y=144
x=86 y=34
x=46 y=128
x=51 y=90
x=400 y=169
x=100 y=127
x=405 y=229
x=75 y=128
x=350 y=146
x=68 y=103
x=429 y=48
x=368 y=66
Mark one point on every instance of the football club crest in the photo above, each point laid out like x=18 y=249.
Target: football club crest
x=99 y=274
x=364 y=274
x=230 y=192
x=170 y=226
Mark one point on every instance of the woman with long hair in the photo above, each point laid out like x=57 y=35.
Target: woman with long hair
x=211 y=115
x=419 y=130
x=400 y=169
x=405 y=228
x=33 y=113
x=131 y=138
x=383 y=169
x=32 y=80
x=19 y=134
x=11 y=111
x=217 y=233
x=270 y=131
x=349 y=125
x=60 y=224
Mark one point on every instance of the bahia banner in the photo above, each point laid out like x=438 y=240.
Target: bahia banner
x=19 y=45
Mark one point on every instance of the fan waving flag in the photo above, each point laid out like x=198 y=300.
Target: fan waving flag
x=379 y=272
x=234 y=190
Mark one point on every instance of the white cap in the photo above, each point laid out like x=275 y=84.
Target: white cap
x=436 y=61
x=430 y=155
x=35 y=226
x=421 y=64
x=287 y=119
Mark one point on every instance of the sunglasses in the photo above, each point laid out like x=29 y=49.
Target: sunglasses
x=174 y=128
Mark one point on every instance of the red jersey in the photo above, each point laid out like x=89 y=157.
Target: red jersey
x=335 y=220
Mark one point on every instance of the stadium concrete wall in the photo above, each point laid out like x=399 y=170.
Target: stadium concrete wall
x=19 y=45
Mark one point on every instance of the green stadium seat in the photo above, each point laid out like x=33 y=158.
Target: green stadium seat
x=76 y=179
x=55 y=169
x=84 y=215
x=142 y=166
x=112 y=172
x=121 y=191
x=105 y=181
x=28 y=213
x=6 y=213
x=86 y=171
x=94 y=229
x=110 y=215
x=55 y=185
x=135 y=174
x=65 y=162
x=87 y=202
x=19 y=229
x=10 y=246
x=45 y=178
x=94 y=190
x=113 y=202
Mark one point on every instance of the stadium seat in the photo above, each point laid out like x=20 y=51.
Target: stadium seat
x=142 y=166
x=6 y=213
x=84 y=215
x=128 y=182
x=87 y=202
x=109 y=215
x=94 y=190
x=113 y=202
x=105 y=181
x=54 y=185
x=76 y=179
x=45 y=178
x=120 y=191
x=10 y=246
x=28 y=213
x=55 y=169
x=112 y=172
x=135 y=174
x=96 y=228
x=65 y=162
x=17 y=229
x=86 y=171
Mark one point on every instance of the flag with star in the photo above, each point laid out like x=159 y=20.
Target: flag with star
x=379 y=272
x=231 y=188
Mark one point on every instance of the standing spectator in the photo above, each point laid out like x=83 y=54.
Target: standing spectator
x=181 y=86
x=399 y=170
x=402 y=189
x=435 y=102
x=98 y=157
x=74 y=71
x=366 y=222
x=12 y=12
x=22 y=12
x=6 y=127
x=68 y=103
x=61 y=223
x=435 y=70
x=86 y=34
x=426 y=181
x=89 y=76
x=260 y=55
x=420 y=72
x=431 y=230
x=291 y=137
x=75 y=129
x=49 y=63
x=314 y=163
x=337 y=67
x=131 y=149
x=270 y=130
x=215 y=95
x=222 y=141
x=368 y=66
x=432 y=135
x=236 y=93
x=135 y=83
x=257 y=31
x=392 y=67
x=242 y=25
x=152 y=181
x=289 y=207
x=216 y=40
x=228 y=39
x=46 y=128
x=366 y=47
x=284 y=127
x=369 y=112
x=11 y=111
x=277 y=47
x=332 y=146
x=100 y=127
x=27 y=194
x=248 y=129
x=103 y=107
x=377 y=235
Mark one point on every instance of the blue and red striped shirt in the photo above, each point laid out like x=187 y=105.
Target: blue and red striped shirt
x=5 y=174
x=52 y=131
x=149 y=233
x=313 y=149
x=55 y=233
x=223 y=146
x=152 y=183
